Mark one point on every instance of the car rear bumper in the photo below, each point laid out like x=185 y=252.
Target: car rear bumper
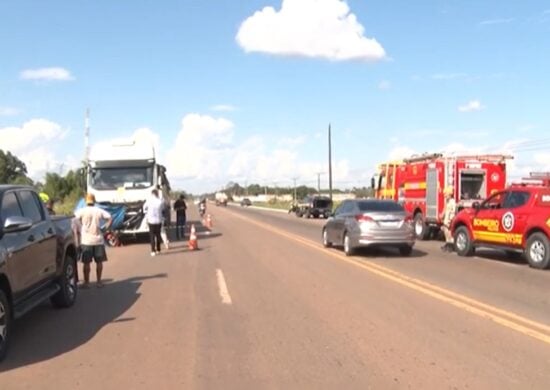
x=374 y=239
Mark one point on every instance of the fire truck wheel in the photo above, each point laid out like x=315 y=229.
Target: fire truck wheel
x=537 y=251
x=463 y=242
x=421 y=229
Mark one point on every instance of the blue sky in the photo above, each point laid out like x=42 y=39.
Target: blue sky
x=230 y=91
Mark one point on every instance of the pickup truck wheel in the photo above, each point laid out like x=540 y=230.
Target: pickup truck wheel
x=421 y=229
x=537 y=251
x=66 y=296
x=463 y=242
x=5 y=324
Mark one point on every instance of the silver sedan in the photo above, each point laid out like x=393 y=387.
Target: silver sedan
x=369 y=223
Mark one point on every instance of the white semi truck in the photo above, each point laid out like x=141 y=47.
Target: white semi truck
x=122 y=176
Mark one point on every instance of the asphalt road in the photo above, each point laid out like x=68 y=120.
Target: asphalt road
x=263 y=305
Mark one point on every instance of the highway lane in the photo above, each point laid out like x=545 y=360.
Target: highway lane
x=490 y=277
x=258 y=309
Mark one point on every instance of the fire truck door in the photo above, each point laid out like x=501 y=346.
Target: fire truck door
x=431 y=193
x=513 y=221
x=486 y=224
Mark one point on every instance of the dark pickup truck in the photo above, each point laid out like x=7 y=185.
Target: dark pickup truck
x=313 y=206
x=37 y=258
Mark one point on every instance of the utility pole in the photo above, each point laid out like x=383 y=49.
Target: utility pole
x=329 y=163
x=294 y=179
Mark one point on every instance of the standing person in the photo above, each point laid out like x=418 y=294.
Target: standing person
x=448 y=216
x=153 y=208
x=180 y=207
x=165 y=218
x=91 y=237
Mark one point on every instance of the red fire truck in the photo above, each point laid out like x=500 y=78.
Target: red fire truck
x=418 y=183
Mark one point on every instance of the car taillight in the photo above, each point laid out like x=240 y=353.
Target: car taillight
x=363 y=218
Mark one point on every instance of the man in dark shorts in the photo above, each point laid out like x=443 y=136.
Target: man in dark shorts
x=180 y=207
x=91 y=238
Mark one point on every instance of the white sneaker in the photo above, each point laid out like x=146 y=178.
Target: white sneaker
x=153 y=254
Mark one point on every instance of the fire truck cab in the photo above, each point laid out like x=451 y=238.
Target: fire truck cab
x=418 y=183
x=516 y=220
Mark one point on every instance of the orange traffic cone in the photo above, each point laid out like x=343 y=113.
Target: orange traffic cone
x=193 y=242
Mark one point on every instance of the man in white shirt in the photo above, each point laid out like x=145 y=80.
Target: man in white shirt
x=153 y=209
x=91 y=237
x=448 y=216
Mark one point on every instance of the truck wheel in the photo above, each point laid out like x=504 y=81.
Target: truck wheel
x=421 y=229
x=326 y=242
x=5 y=324
x=348 y=249
x=537 y=251
x=463 y=242
x=66 y=296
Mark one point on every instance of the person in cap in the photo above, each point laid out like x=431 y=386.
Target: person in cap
x=92 y=243
x=448 y=216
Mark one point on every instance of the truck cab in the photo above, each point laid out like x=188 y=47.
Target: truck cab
x=124 y=175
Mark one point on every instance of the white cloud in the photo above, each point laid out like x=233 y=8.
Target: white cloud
x=309 y=28
x=201 y=147
x=292 y=142
x=496 y=21
x=47 y=74
x=384 y=85
x=34 y=143
x=223 y=108
x=471 y=106
x=8 y=111
x=398 y=152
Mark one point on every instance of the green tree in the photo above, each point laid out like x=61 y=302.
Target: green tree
x=12 y=169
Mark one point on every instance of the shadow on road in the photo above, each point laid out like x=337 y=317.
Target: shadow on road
x=46 y=332
x=386 y=252
x=501 y=256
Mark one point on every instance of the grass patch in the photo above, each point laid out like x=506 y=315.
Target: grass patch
x=279 y=205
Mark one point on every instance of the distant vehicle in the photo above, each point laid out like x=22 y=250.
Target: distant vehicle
x=37 y=258
x=221 y=199
x=122 y=176
x=313 y=206
x=418 y=182
x=369 y=223
x=516 y=220
x=246 y=202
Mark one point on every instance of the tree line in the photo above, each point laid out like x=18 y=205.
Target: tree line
x=62 y=189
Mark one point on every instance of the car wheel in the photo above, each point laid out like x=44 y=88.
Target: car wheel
x=326 y=242
x=5 y=324
x=537 y=251
x=421 y=229
x=463 y=242
x=66 y=296
x=348 y=249
x=405 y=250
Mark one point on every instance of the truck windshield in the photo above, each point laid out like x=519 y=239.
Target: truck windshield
x=129 y=178
x=472 y=186
x=321 y=203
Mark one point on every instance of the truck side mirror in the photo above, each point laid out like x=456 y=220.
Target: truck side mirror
x=16 y=224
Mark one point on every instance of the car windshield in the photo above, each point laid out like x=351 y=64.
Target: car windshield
x=129 y=178
x=376 y=206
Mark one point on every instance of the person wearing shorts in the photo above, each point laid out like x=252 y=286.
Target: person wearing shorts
x=91 y=238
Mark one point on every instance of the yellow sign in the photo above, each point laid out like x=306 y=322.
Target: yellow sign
x=500 y=238
x=492 y=225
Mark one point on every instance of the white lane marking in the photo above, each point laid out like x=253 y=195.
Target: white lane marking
x=224 y=293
